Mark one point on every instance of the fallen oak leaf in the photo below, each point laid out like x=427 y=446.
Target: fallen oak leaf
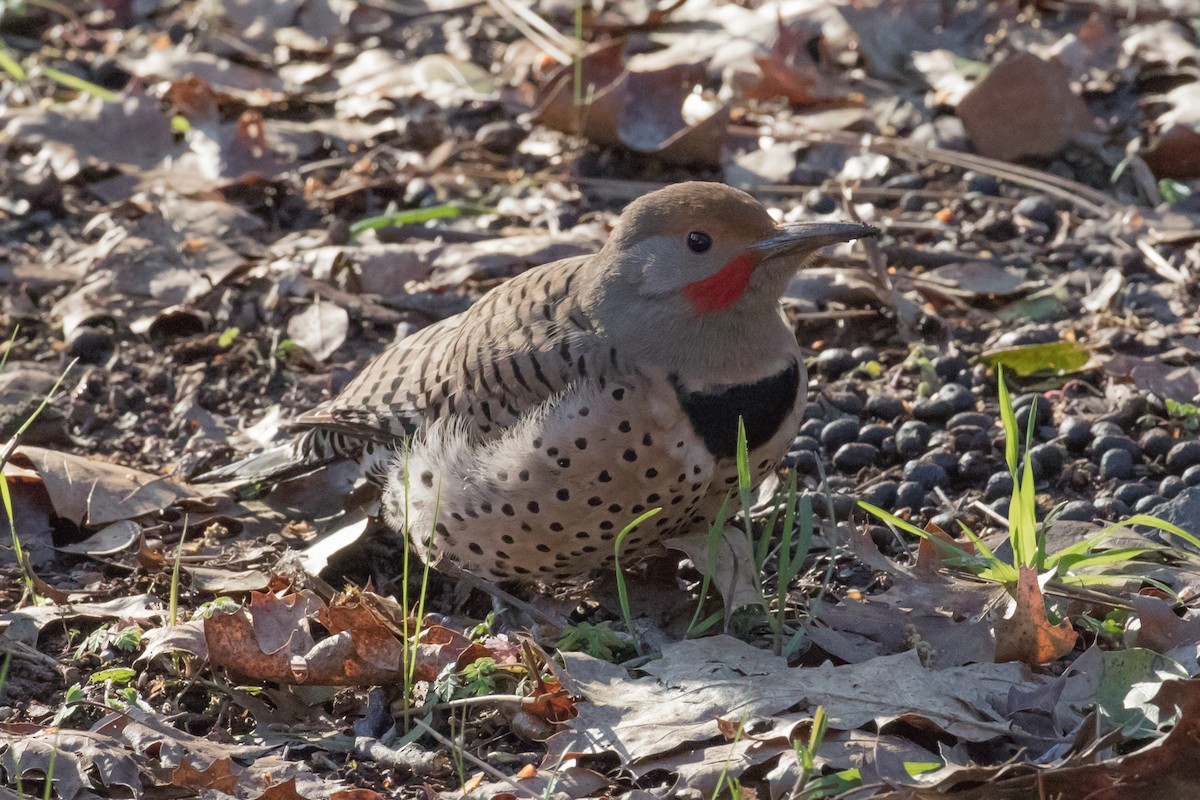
x=221 y=775
x=1026 y=634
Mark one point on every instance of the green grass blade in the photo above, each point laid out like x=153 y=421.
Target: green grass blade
x=622 y=589
x=418 y=215
x=1010 y=424
x=982 y=547
x=11 y=65
x=714 y=540
x=79 y=84
x=8 y=349
x=1117 y=555
x=948 y=548
x=1151 y=521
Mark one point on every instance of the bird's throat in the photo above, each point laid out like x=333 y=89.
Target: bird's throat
x=723 y=288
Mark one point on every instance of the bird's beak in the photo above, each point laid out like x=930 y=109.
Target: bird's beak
x=810 y=236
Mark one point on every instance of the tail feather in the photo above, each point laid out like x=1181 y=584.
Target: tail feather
x=311 y=450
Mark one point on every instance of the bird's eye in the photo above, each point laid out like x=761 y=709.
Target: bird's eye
x=699 y=241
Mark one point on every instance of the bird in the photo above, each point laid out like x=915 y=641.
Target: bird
x=520 y=437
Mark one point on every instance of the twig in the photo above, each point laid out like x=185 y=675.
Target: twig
x=1092 y=201
x=536 y=29
x=481 y=764
x=410 y=757
x=1161 y=267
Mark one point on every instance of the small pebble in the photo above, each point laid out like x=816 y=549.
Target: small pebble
x=804 y=461
x=888 y=448
x=813 y=411
x=910 y=495
x=932 y=409
x=1156 y=443
x=1079 y=511
x=501 y=137
x=1116 y=463
x=945 y=521
x=975 y=419
x=835 y=362
x=1130 y=493
x=1148 y=503
x=1106 y=428
x=805 y=443
x=948 y=368
x=864 y=354
x=1001 y=505
x=875 y=433
x=1076 y=433
x=855 y=456
x=883 y=538
x=973 y=467
x=91 y=345
x=958 y=396
x=1171 y=486
x=912 y=438
x=812 y=428
x=882 y=495
x=1111 y=508
x=1042 y=414
x=1191 y=476
x=846 y=402
x=982 y=183
x=925 y=473
x=1105 y=444
x=999 y=485
x=1038 y=209
x=885 y=407
x=1183 y=455
x=1047 y=461
x=947 y=461
x=969 y=438
x=839 y=432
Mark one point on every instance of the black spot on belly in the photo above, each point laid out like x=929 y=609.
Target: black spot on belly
x=763 y=405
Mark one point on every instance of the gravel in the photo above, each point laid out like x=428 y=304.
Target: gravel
x=910 y=495
x=876 y=434
x=1116 y=463
x=1183 y=456
x=1102 y=445
x=925 y=473
x=885 y=407
x=1079 y=511
x=839 y=432
x=855 y=456
x=1155 y=443
x=1076 y=434
x=912 y=438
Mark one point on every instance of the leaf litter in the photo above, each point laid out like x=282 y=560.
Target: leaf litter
x=223 y=210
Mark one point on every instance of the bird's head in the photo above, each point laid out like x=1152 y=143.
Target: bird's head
x=705 y=248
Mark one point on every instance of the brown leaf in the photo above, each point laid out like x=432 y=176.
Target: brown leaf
x=221 y=775
x=1024 y=107
x=253 y=87
x=286 y=790
x=639 y=107
x=93 y=492
x=1175 y=149
x=134 y=134
x=1026 y=635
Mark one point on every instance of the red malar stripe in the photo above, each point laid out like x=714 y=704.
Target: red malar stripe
x=723 y=288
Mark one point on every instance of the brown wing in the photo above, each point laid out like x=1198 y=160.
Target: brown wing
x=523 y=343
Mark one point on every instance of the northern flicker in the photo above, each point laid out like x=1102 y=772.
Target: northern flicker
x=519 y=437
